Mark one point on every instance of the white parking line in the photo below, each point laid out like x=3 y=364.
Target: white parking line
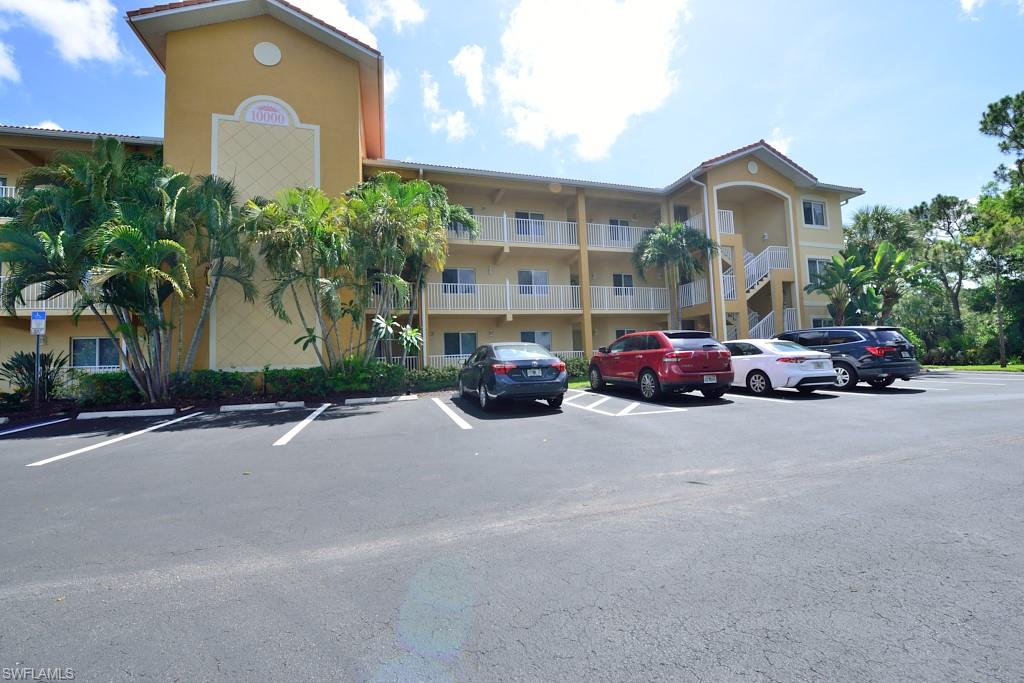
x=451 y=413
x=111 y=441
x=27 y=427
x=950 y=381
x=761 y=398
x=627 y=410
x=598 y=402
x=302 y=425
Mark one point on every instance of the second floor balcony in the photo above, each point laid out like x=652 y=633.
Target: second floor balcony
x=628 y=298
x=524 y=231
x=62 y=302
x=505 y=297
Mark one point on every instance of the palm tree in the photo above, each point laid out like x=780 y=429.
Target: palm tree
x=842 y=280
x=219 y=247
x=681 y=252
x=872 y=225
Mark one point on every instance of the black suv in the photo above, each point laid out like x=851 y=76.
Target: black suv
x=876 y=355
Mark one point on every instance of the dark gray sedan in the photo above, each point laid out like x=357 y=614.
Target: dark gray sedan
x=514 y=370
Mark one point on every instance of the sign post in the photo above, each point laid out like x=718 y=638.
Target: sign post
x=38 y=329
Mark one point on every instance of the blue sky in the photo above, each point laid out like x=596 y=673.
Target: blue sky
x=884 y=95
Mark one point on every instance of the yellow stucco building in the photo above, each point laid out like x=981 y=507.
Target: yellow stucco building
x=262 y=93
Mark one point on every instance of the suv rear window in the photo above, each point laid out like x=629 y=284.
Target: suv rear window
x=813 y=339
x=524 y=352
x=843 y=337
x=893 y=336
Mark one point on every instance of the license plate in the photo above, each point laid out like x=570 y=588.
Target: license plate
x=534 y=372
x=710 y=379
x=819 y=365
x=905 y=354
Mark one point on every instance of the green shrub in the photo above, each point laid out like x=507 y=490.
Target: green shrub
x=13 y=401
x=108 y=389
x=434 y=379
x=296 y=383
x=20 y=371
x=216 y=385
x=577 y=367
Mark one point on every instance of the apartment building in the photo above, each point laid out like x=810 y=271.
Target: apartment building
x=261 y=92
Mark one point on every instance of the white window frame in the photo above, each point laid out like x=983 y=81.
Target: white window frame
x=810 y=276
x=96 y=365
x=622 y=289
x=530 y=224
x=623 y=332
x=459 y=287
x=825 y=320
x=551 y=337
x=476 y=344
x=534 y=289
x=824 y=212
x=616 y=230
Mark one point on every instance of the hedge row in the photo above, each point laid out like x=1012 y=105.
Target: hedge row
x=116 y=388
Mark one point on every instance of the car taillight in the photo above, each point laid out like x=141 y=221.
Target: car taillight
x=879 y=351
x=560 y=366
x=789 y=359
x=502 y=368
x=677 y=356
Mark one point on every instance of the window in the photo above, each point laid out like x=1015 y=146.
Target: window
x=460 y=228
x=843 y=337
x=536 y=337
x=890 y=337
x=529 y=223
x=459 y=343
x=618 y=346
x=636 y=343
x=821 y=322
x=653 y=342
x=814 y=267
x=623 y=284
x=529 y=352
x=680 y=213
x=623 y=333
x=813 y=339
x=814 y=213
x=618 y=231
x=533 y=282
x=458 y=281
x=94 y=352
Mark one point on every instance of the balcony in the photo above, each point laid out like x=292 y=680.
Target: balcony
x=628 y=298
x=443 y=361
x=62 y=302
x=726 y=224
x=624 y=237
x=8 y=191
x=693 y=293
x=507 y=230
x=505 y=297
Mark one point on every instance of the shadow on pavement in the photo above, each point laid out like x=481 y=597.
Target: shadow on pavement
x=504 y=410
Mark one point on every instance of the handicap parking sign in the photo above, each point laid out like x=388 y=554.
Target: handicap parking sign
x=38 y=323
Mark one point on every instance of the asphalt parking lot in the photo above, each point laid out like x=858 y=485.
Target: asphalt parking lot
x=872 y=534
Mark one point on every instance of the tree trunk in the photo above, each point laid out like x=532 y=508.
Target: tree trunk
x=1000 y=322
x=120 y=351
x=672 y=282
x=302 y=319
x=204 y=312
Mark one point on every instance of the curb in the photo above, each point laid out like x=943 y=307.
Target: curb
x=148 y=412
x=379 y=399
x=240 y=407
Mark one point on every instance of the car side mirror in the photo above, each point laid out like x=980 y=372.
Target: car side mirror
x=603 y=349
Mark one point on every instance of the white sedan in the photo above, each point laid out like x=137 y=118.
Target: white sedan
x=762 y=365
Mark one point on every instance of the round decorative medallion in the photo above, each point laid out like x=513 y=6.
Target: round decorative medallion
x=267 y=54
x=752 y=167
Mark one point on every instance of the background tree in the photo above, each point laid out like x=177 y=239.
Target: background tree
x=872 y=225
x=1005 y=120
x=681 y=252
x=948 y=255
x=1000 y=239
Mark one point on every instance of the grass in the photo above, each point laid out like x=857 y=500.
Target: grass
x=579 y=384
x=1012 y=367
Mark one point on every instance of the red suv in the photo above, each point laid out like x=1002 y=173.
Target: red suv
x=660 y=361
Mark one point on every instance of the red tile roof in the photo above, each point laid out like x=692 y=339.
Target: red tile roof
x=760 y=143
x=189 y=3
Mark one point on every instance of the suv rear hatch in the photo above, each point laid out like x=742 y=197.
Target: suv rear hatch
x=697 y=352
x=889 y=343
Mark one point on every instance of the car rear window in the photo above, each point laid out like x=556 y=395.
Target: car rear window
x=843 y=337
x=690 y=343
x=813 y=339
x=524 y=352
x=784 y=346
x=892 y=336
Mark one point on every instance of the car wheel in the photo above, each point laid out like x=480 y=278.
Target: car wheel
x=882 y=382
x=846 y=376
x=714 y=394
x=805 y=390
x=556 y=401
x=485 y=401
x=650 y=388
x=596 y=380
x=758 y=383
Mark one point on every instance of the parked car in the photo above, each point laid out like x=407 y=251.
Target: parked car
x=513 y=370
x=763 y=365
x=873 y=354
x=660 y=361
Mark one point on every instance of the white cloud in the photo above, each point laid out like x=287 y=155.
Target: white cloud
x=453 y=123
x=779 y=141
x=49 y=125
x=591 y=82
x=8 y=69
x=468 y=64
x=392 y=77
x=81 y=31
x=968 y=6
x=336 y=13
x=400 y=12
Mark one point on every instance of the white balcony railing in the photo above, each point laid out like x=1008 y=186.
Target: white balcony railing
x=408 y=362
x=568 y=355
x=615 y=236
x=447 y=361
x=731 y=332
x=758 y=268
x=789 y=321
x=729 y=287
x=8 y=191
x=61 y=302
x=693 y=293
x=695 y=222
x=502 y=297
x=726 y=224
x=628 y=298
x=519 y=231
x=764 y=329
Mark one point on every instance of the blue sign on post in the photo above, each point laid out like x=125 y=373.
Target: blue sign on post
x=38 y=323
